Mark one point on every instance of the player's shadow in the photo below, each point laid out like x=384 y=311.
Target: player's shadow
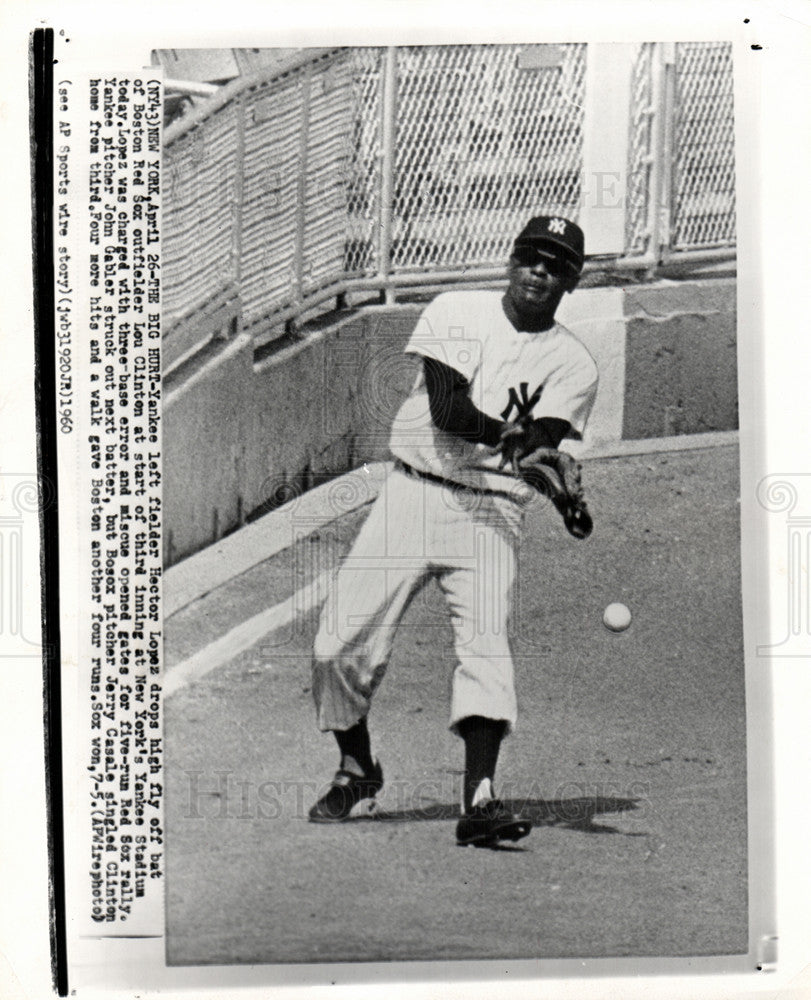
x=569 y=814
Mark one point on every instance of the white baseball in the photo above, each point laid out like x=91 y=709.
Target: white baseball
x=616 y=617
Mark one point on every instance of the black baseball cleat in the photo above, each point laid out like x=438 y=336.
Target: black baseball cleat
x=488 y=823
x=349 y=797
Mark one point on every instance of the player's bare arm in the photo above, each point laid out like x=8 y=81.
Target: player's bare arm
x=537 y=441
x=518 y=440
x=453 y=411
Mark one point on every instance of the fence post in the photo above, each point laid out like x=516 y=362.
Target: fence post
x=606 y=128
x=239 y=192
x=387 y=155
x=664 y=105
x=301 y=196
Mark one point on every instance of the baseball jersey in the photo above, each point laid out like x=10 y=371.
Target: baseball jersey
x=511 y=374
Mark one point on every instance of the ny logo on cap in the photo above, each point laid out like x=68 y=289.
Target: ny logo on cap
x=557 y=226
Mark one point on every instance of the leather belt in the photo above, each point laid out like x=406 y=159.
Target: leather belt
x=409 y=470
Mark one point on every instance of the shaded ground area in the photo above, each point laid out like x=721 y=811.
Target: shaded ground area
x=629 y=755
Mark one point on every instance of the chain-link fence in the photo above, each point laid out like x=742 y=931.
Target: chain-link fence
x=640 y=153
x=704 y=147
x=256 y=190
x=484 y=135
x=681 y=172
x=372 y=168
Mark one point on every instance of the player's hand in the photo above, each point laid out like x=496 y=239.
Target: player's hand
x=516 y=442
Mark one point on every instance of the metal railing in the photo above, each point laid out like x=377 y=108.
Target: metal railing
x=681 y=174
x=373 y=169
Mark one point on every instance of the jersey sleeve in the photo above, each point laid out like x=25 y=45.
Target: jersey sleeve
x=444 y=334
x=570 y=395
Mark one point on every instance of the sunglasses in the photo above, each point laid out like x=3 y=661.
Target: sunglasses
x=529 y=256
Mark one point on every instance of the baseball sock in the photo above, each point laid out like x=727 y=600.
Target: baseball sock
x=355 y=748
x=482 y=742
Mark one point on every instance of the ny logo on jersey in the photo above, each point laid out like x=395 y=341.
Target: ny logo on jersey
x=523 y=404
x=557 y=226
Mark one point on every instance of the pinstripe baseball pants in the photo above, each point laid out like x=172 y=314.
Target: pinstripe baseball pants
x=418 y=530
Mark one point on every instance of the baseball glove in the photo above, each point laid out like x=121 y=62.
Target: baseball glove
x=556 y=475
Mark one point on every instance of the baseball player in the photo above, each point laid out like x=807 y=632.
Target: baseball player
x=499 y=380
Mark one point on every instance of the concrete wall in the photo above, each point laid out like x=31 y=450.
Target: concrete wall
x=206 y=429
x=681 y=359
x=240 y=435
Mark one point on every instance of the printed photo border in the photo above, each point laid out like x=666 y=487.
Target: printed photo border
x=770 y=253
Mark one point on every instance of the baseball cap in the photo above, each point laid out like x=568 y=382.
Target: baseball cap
x=555 y=231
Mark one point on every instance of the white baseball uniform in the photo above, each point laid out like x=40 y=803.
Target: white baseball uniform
x=446 y=511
